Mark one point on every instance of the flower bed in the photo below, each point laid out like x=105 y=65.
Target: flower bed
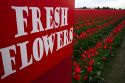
x=91 y=51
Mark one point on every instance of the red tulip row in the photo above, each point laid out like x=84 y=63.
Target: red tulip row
x=91 y=31
x=86 y=62
x=93 y=14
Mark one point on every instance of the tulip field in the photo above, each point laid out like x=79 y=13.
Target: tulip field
x=97 y=37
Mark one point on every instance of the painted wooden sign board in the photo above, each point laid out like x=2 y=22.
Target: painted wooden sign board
x=35 y=35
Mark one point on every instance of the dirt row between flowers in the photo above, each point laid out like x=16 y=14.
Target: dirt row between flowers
x=115 y=71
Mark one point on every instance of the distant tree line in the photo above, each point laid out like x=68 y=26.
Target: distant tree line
x=104 y=8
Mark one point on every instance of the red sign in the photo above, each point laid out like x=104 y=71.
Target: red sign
x=35 y=35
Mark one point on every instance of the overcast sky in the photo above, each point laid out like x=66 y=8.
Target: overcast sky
x=100 y=3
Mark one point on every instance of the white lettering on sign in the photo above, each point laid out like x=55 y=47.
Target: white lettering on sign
x=7 y=60
x=36 y=15
x=21 y=21
x=24 y=58
x=49 y=43
x=55 y=18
